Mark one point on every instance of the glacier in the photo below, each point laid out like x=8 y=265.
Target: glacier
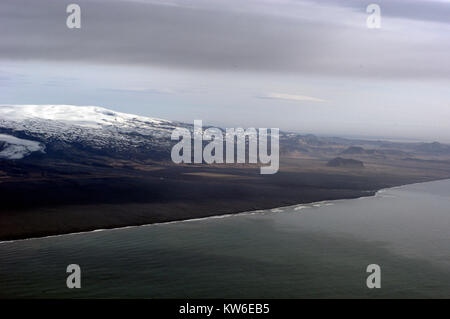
x=17 y=148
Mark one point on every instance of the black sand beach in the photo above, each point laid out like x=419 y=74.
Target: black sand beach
x=110 y=198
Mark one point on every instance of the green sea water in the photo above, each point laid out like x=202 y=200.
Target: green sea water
x=316 y=250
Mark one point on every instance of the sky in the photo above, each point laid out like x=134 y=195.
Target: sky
x=301 y=65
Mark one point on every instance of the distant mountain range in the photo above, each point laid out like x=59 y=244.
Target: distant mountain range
x=79 y=132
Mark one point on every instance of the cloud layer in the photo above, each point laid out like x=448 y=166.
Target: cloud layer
x=300 y=37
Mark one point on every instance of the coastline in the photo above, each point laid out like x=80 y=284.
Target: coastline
x=373 y=193
x=259 y=211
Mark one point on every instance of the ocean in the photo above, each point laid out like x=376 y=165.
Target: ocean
x=318 y=250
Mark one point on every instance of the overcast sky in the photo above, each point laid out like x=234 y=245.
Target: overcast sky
x=310 y=66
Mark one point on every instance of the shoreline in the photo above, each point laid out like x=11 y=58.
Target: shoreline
x=225 y=215
x=254 y=212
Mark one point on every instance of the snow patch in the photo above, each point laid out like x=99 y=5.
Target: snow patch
x=17 y=148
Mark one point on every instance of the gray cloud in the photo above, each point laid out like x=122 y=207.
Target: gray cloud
x=419 y=10
x=233 y=35
x=143 y=90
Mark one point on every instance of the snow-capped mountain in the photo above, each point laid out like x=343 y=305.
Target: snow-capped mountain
x=32 y=128
x=78 y=133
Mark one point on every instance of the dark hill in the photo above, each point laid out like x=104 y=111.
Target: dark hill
x=345 y=162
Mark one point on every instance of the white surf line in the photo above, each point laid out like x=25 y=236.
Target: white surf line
x=276 y=210
x=135 y=226
x=259 y=211
x=252 y=212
